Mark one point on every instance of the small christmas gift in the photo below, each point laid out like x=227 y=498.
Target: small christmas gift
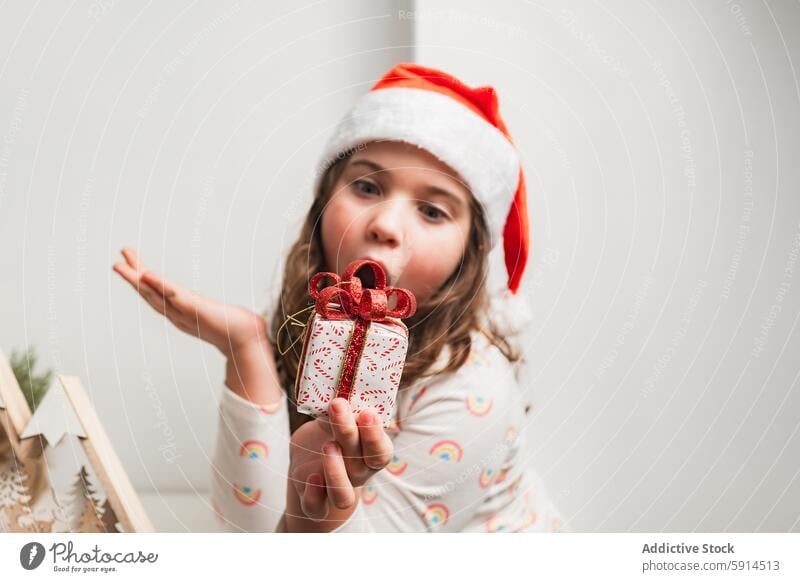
x=354 y=345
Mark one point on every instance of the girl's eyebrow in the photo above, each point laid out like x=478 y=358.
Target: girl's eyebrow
x=432 y=190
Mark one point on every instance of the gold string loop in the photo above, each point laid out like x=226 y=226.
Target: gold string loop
x=292 y=319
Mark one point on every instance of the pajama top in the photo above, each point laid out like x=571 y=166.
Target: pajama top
x=460 y=459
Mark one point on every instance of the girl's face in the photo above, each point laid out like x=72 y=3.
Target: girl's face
x=402 y=207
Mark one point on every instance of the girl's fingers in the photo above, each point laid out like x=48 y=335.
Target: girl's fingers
x=345 y=432
x=128 y=273
x=177 y=296
x=376 y=446
x=340 y=490
x=165 y=298
x=314 y=502
x=297 y=477
x=156 y=300
x=132 y=258
x=134 y=278
x=168 y=290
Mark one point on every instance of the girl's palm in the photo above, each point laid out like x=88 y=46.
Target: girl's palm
x=228 y=327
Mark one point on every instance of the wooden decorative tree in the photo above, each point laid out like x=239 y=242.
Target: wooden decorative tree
x=110 y=522
x=85 y=510
x=61 y=520
x=17 y=511
x=28 y=499
x=14 y=498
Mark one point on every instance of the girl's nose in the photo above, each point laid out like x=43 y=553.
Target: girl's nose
x=387 y=223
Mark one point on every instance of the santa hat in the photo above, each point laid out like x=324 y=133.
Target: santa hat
x=462 y=127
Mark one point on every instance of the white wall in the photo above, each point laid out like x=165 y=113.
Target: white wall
x=665 y=394
x=660 y=142
x=186 y=130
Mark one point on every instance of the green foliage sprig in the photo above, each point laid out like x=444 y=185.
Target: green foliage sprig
x=34 y=386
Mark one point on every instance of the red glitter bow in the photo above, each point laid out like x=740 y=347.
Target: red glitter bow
x=357 y=301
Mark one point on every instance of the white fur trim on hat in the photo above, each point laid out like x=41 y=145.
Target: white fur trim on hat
x=459 y=137
x=511 y=313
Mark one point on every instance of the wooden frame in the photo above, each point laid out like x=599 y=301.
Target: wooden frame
x=65 y=409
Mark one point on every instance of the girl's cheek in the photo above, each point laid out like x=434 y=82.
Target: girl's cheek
x=424 y=276
x=335 y=218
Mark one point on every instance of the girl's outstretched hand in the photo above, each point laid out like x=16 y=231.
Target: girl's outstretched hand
x=330 y=458
x=229 y=327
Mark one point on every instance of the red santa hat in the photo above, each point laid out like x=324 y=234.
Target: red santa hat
x=462 y=127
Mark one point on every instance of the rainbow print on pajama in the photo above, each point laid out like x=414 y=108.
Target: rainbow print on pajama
x=447 y=450
x=496 y=524
x=530 y=515
x=396 y=466
x=369 y=494
x=436 y=514
x=513 y=489
x=486 y=477
x=254 y=449
x=478 y=405
x=476 y=360
x=502 y=474
x=510 y=436
x=246 y=495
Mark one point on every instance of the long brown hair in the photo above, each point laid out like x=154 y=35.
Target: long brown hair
x=446 y=318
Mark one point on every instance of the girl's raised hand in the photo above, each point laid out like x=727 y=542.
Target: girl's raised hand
x=228 y=327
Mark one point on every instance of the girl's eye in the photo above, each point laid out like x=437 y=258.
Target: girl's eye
x=365 y=187
x=368 y=188
x=437 y=214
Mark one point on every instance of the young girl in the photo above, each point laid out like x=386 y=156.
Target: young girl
x=422 y=177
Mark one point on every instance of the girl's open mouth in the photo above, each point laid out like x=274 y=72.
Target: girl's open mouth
x=367 y=276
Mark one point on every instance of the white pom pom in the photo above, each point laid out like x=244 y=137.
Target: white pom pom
x=510 y=313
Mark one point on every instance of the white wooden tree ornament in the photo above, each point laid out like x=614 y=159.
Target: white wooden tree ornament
x=54 y=417
x=65 y=415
